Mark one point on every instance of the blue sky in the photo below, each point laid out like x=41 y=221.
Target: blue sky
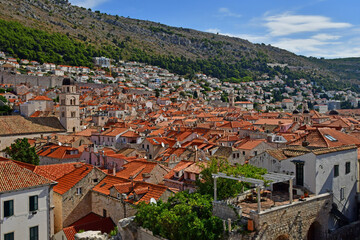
x=320 y=28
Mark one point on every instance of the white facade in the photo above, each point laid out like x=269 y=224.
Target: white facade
x=22 y=219
x=28 y=108
x=319 y=176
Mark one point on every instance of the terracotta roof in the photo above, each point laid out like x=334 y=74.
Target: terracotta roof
x=125 y=186
x=108 y=182
x=327 y=137
x=66 y=182
x=180 y=166
x=130 y=134
x=285 y=153
x=250 y=144
x=86 y=132
x=15 y=177
x=135 y=169
x=41 y=98
x=276 y=122
x=333 y=149
x=91 y=222
x=114 y=132
x=18 y=125
x=194 y=168
x=56 y=171
x=59 y=152
x=70 y=233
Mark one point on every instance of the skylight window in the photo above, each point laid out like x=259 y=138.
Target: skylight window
x=330 y=138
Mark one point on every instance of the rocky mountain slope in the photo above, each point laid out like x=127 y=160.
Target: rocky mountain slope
x=144 y=38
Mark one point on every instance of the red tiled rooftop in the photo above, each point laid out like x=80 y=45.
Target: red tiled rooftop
x=41 y=98
x=15 y=177
x=66 y=182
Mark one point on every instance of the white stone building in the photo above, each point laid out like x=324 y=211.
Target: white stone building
x=319 y=171
x=26 y=203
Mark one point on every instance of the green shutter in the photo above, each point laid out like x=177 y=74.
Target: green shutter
x=33 y=203
x=8 y=208
x=34 y=233
x=9 y=236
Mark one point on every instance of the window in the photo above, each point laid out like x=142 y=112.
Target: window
x=34 y=233
x=150 y=156
x=104 y=213
x=234 y=155
x=336 y=170
x=62 y=101
x=9 y=236
x=347 y=167
x=78 y=191
x=73 y=114
x=95 y=180
x=331 y=138
x=8 y=208
x=255 y=153
x=243 y=152
x=62 y=114
x=342 y=193
x=33 y=203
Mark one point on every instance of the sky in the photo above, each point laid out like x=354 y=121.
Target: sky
x=318 y=28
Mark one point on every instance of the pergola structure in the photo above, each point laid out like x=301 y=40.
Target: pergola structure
x=271 y=177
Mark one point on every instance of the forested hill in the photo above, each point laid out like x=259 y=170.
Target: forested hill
x=56 y=31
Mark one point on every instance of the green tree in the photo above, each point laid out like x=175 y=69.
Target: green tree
x=183 y=216
x=157 y=92
x=226 y=187
x=23 y=152
x=3 y=99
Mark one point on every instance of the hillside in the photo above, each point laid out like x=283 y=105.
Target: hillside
x=185 y=51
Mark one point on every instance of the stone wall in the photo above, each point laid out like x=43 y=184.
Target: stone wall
x=351 y=231
x=145 y=234
x=225 y=211
x=115 y=208
x=43 y=82
x=294 y=221
x=71 y=200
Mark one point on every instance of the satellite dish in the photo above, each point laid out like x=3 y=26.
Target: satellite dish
x=152 y=200
x=196 y=148
x=60 y=143
x=162 y=144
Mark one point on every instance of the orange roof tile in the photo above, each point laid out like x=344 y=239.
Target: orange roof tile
x=41 y=98
x=66 y=182
x=15 y=177
x=59 y=152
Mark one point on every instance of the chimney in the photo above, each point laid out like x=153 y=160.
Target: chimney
x=114 y=169
x=305 y=143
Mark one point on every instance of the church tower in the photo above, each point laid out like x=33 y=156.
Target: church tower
x=69 y=106
x=232 y=98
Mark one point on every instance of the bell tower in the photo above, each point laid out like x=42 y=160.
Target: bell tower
x=69 y=106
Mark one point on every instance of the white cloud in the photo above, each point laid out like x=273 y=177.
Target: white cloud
x=321 y=45
x=324 y=37
x=225 y=12
x=300 y=45
x=88 y=3
x=287 y=24
x=213 y=30
x=249 y=37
